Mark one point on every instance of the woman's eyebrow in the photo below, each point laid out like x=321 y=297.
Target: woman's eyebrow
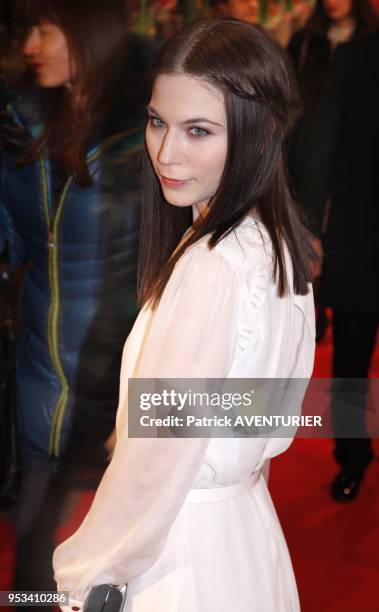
x=201 y=120
x=151 y=109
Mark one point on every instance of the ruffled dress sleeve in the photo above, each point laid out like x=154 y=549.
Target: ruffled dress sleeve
x=191 y=334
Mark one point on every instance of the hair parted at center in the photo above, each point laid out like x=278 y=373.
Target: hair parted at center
x=240 y=60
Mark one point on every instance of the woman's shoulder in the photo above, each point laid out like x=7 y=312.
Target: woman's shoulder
x=247 y=245
x=20 y=116
x=200 y=256
x=243 y=259
x=238 y=247
x=28 y=103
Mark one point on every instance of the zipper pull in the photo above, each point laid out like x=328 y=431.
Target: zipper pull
x=51 y=241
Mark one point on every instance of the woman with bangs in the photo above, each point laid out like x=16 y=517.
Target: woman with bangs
x=69 y=209
x=188 y=523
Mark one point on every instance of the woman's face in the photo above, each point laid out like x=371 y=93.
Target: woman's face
x=337 y=9
x=186 y=138
x=245 y=10
x=46 y=50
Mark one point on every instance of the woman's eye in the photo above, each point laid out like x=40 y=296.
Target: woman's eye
x=44 y=32
x=156 y=122
x=197 y=131
x=44 y=28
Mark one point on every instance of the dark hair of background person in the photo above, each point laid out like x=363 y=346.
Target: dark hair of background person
x=361 y=11
x=240 y=60
x=96 y=34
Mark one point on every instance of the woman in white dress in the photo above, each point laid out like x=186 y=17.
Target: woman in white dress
x=189 y=523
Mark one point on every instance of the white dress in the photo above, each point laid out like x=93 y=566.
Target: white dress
x=181 y=520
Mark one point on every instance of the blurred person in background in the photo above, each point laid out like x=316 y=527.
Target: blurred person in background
x=249 y=11
x=340 y=166
x=311 y=50
x=280 y=23
x=245 y=10
x=285 y=18
x=70 y=214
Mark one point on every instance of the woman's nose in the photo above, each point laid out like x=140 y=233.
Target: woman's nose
x=170 y=149
x=31 y=43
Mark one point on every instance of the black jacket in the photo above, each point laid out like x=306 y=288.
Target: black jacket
x=311 y=54
x=343 y=165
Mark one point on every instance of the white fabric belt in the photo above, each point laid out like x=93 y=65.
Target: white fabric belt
x=217 y=494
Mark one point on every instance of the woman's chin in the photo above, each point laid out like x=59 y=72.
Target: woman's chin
x=179 y=202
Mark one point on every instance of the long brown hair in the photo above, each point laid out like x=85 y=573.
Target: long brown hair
x=246 y=66
x=95 y=31
x=362 y=13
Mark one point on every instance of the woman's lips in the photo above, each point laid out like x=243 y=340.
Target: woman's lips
x=36 y=65
x=170 y=182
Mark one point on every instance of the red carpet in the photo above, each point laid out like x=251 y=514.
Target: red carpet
x=334 y=548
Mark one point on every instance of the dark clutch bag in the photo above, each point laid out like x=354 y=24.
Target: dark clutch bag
x=105 y=598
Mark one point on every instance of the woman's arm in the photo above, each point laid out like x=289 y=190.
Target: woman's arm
x=191 y=335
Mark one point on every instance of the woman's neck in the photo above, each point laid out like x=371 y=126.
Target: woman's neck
x=199 y=212
x=345 y=23
x=341 y=31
